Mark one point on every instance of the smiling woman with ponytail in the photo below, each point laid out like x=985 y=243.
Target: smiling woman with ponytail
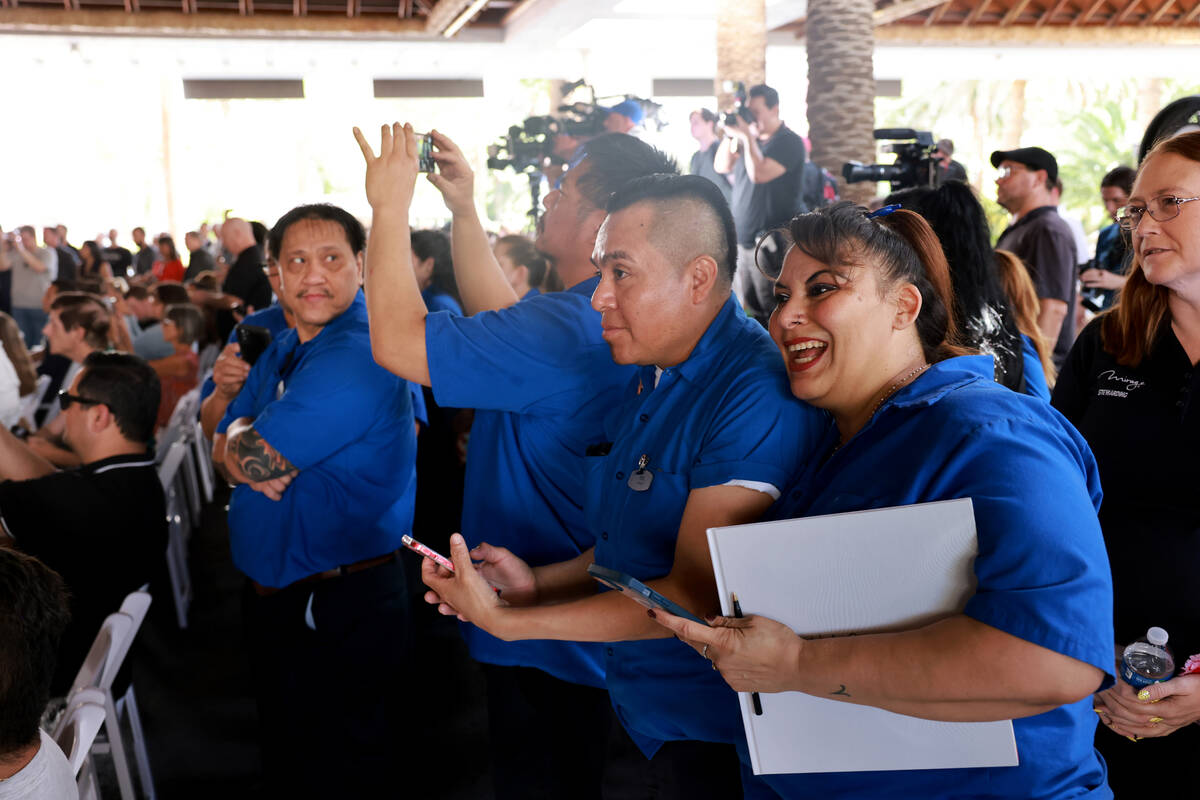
x=864 y=322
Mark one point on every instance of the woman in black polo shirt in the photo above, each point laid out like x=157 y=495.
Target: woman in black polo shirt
x=1131 y=386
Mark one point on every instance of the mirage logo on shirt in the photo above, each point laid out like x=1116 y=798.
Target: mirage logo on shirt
x=1118 y=385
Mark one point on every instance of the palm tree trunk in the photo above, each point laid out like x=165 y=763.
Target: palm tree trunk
x=840 y=39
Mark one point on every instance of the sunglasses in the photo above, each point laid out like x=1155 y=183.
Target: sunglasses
x=65 y=399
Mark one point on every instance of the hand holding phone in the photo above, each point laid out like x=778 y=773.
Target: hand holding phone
x=639 y=592
x=253 y=341
x=428 y=552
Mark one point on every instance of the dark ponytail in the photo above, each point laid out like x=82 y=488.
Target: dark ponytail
x=522 y=253
x=903 y=247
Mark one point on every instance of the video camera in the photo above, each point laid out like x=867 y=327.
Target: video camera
x=914 y=164
x=529 y=147
x=730 y=119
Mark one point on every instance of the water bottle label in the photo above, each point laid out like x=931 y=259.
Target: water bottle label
x=1136 y=679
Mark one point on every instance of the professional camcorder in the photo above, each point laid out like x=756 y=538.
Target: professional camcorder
x=529 y=147
x=914 y=164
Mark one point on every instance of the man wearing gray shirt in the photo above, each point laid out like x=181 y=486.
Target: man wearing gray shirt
x=33 y=270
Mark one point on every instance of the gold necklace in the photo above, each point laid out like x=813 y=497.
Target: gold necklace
x=895 y=387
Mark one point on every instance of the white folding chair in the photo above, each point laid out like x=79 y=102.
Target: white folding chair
x=80 y=724
x=99 y=668
x=135 y=606
x=202 y=451
x=177 y=530
x=93 y=683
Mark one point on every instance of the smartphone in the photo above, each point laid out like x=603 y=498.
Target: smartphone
x=425 y=162
x=639 y=592
x=428 y=552
x=253 y=340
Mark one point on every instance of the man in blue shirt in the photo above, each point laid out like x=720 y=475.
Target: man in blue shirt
x=321 y=443
x=707 y=433
x=541 y=378
x=230 y=370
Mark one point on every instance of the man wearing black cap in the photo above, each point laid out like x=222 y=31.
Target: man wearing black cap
x=1040 y=237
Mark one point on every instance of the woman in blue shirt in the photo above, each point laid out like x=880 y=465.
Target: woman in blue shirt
x=434 y=267
x=864 y=325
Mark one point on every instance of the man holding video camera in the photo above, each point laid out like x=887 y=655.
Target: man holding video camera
x=766 y=158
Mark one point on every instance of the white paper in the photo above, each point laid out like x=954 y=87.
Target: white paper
x=861 y=572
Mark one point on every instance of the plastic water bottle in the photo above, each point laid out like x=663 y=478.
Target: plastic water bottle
x=1148 y=660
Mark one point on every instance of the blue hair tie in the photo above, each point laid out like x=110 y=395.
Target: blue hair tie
x=883 y=212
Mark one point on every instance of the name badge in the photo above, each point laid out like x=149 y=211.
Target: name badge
x=640 y=480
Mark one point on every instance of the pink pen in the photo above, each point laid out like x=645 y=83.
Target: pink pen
x=432 y=555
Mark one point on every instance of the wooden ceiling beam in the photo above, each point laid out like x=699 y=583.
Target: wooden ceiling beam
x=1188 y=18
x=938 y=13
x=976 y=13
x=1125 y=12
x=901 y=9
x=1029 y=36
x=1050 y=14
x=1014 y=13
x=1092 y=9
x=207 y=25
x=1152 y=19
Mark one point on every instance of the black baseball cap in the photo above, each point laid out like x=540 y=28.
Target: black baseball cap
x=1032 y=157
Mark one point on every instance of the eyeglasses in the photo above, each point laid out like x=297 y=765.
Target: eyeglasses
x=1161 y=209
x=1004 y=172
x=65 y=399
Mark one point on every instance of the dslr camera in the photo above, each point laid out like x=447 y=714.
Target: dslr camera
x=730 y=118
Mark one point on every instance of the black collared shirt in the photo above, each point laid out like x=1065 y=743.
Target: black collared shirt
x=1043 y=240
x=1143 y=425
x=102 y=527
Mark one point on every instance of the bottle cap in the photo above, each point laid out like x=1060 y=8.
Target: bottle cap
x=1156 y=636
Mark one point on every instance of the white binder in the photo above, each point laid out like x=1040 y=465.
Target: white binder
x=860 y=572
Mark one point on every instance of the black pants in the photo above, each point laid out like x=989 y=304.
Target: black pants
x=548 y=737
x=331 y=701
x=699 y=771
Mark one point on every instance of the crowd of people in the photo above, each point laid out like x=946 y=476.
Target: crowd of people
x=669 y=354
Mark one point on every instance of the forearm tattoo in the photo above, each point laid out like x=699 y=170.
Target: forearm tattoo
x=841 y=691
x=257 y=460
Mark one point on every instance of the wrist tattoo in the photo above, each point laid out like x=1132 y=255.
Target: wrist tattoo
x=841 y=691
x=257 y=460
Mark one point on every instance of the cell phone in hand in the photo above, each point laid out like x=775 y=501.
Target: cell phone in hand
x=428 y=552
x=639 y=592
x=425 y=162
x=253 y=341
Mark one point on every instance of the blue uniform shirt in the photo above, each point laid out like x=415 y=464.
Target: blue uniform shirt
x=725 y=414
x=272 y=319
x=541 y=378
x=347 y=424
x=1035 y=376
x=1042 y=570
x=437 y=300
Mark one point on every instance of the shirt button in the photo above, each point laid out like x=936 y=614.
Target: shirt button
x=620 y=475
x=608 y=650
x=644 y=417
x=604 y=536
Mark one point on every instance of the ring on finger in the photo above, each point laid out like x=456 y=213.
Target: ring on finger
x=704 y=652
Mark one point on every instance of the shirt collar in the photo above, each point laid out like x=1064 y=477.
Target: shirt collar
x=942 y=378
x=712 y=344
x=1032 y=215
x=145 y=459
